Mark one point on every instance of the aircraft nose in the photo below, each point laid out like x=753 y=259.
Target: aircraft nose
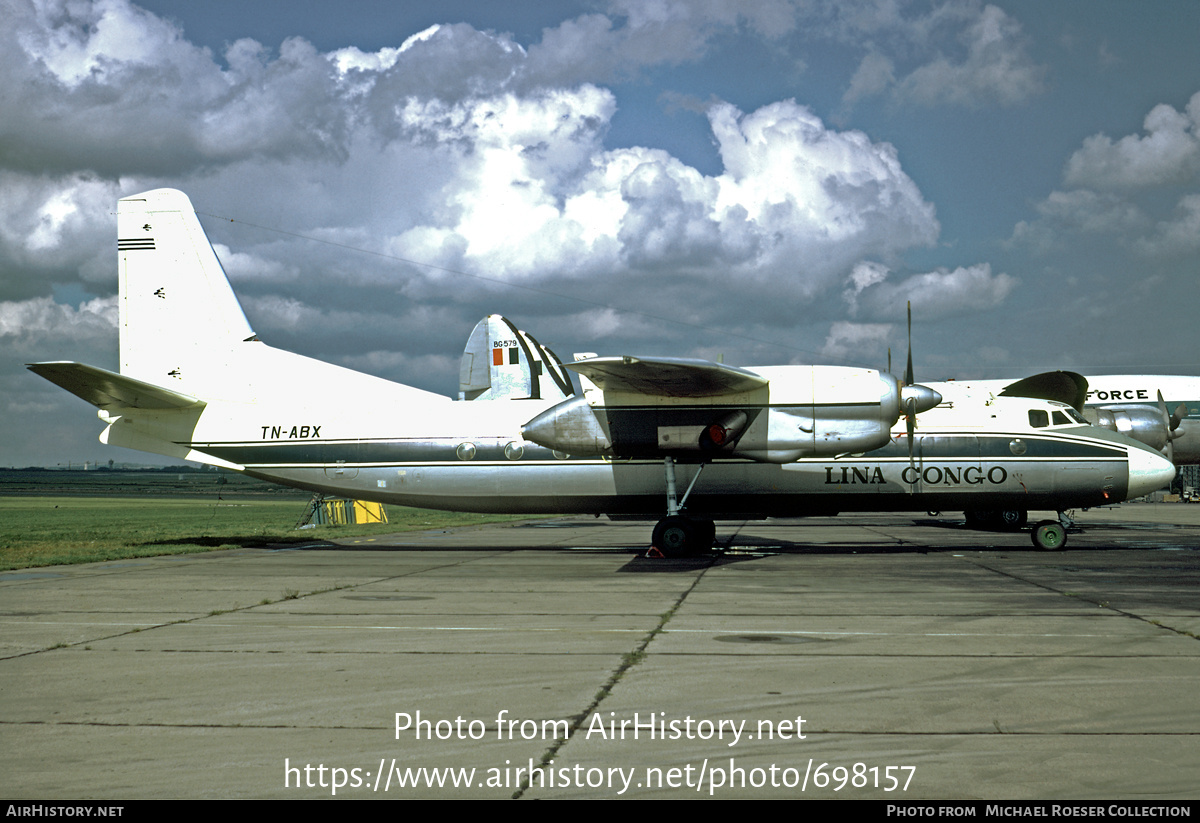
x=1148 y=471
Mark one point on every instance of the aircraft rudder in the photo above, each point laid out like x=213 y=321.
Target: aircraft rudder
x=501 y=362
x=179 y=317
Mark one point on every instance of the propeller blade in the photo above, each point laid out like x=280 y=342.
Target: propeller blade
x=1177 y=416
x=910 y=423
x=908 y=371
x=1162 y=408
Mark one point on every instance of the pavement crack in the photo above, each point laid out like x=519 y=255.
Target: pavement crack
x=628 y=660
x=1096 y=601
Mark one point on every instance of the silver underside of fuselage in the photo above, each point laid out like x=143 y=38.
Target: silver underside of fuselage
x=729 y=489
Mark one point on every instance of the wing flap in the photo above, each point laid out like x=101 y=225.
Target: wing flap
x=109 y=390
x=667 y=376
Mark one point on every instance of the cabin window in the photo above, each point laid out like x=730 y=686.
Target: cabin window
x=1039 y=418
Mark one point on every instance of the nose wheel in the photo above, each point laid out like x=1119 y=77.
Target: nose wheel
x=1049 y=535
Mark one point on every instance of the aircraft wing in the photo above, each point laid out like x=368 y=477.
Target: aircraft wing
x=1063 y=386
x=667 y=376
x=109 y=390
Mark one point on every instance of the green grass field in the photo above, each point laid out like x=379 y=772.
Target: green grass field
x=120 y=515
x=48 y=531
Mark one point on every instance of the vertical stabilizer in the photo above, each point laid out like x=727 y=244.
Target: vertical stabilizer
x=180 y=321
x=501 y=362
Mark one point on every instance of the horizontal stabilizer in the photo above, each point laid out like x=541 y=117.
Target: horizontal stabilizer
x=1062 y=386
x=667 y=376
x=109 y=390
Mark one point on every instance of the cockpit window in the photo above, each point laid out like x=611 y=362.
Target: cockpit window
x=1039 y=418
x=1061 y=419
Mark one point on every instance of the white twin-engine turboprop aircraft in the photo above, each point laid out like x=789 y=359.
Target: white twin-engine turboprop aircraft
x=196 y=383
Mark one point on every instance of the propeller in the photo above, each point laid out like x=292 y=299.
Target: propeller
x=915 y=397
x=1172 y=419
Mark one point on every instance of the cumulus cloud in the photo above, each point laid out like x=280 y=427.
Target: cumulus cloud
x=857 y=341
x=54 y=229
x=534 y=195
x=475 y=173
x=957 y=53
x=994 y=69
x=1117 y=186
x=1178 y=235
x=42 y=317
x=933 y=294
x=633 y=35
x=1078 y=212
x=834 y=196
x=121 y=90
x=1168 y=153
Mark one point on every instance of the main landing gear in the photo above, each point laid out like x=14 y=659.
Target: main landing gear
x=997 y=519
x=680 y=535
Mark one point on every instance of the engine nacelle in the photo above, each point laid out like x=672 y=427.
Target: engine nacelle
x=571 y=427
x=793 y=433
x=808 y=411
x=1144 y=424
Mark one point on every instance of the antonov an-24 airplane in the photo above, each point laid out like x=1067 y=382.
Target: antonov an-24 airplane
x=197 y=384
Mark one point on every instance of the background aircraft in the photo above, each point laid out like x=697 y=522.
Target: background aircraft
x=196 y=383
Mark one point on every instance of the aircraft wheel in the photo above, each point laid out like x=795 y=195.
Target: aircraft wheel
x=1013 y=519
x=1049 y=535
x=678 y=536
x=673 y=536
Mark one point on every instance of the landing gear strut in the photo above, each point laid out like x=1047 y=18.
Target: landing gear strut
x=679 y=535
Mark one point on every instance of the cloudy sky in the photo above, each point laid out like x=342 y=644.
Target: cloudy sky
x=768 y=180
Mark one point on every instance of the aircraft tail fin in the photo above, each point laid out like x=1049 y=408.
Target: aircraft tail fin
x=180 y=322
x=501 y=362
x=1061 y=386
